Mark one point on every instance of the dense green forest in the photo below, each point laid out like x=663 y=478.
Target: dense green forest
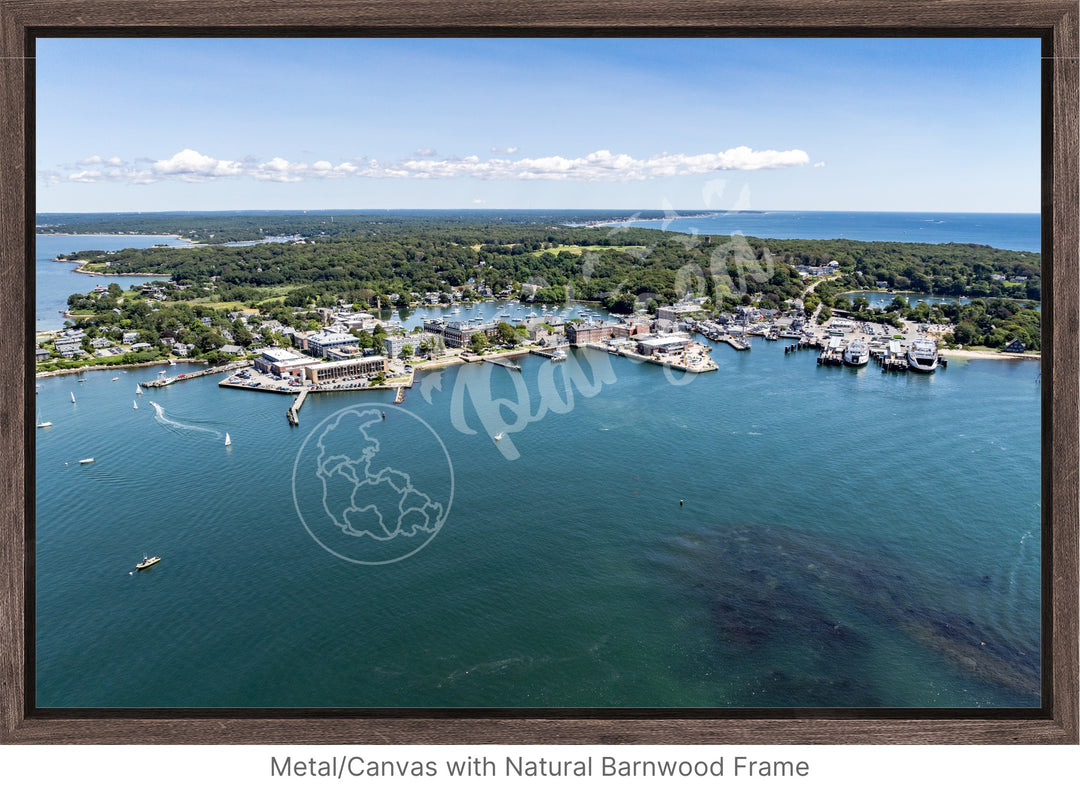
x=233 y=226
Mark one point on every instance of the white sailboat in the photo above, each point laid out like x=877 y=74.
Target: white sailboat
x=228 y=441
x=135 y=405
x=138 y=389
x=72 y=396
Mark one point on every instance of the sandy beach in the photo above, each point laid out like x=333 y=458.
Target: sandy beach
x=991 y=355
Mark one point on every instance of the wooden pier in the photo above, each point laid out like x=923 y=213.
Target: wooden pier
x=168 y=381
x=293 y=414
x=501 y=361
x=552 y=353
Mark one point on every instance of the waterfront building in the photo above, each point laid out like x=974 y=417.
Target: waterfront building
x=458 y=334
x=394 y=345
x=635 y=326
x=319 y=372
x=662 y=344
x=1016 y=345
x=280 y=362
x=343 y=353
x=319 y=343
x=673 y=313
x=588 y=333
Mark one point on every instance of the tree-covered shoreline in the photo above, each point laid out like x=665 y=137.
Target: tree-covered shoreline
x=416 y=259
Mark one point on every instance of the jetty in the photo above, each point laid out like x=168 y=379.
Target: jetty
x=293 y=414
x=168 y=381
x=501 y=361
x=739 y=343
x=552 y=353
x=400 y=396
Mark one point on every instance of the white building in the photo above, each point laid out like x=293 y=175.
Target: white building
x=319 y=343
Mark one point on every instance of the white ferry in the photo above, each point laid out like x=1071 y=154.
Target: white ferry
x=856 y=353
x=922 y=355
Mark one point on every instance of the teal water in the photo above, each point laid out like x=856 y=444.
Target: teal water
x=55 y=281
x=772 y=534
x=1006 y=231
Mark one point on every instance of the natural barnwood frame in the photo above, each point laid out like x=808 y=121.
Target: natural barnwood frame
x=1053 y=21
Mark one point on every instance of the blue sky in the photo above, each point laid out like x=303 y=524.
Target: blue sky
x=762 y=124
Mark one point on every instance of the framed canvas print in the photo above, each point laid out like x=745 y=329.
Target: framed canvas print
x=684 y=372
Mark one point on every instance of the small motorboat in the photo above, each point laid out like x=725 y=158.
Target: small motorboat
x=44 y=424
x=498 y=436
x=87 y=460
x=146 y=562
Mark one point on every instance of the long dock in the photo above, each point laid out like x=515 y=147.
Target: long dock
x=168 y=381
x=293 y=414
x=501 y=361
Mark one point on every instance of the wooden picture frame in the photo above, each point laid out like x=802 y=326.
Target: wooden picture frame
x=1053 y=21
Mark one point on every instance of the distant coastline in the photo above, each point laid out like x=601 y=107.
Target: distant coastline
x=126 y=236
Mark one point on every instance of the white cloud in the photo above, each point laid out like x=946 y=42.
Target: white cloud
x=504 y=150
x=600 y=166
x=192 y=165
x=819 y=164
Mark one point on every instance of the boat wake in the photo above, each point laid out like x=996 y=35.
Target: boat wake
x=178 y=426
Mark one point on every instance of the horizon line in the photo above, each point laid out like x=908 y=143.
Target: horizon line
x=474 y=209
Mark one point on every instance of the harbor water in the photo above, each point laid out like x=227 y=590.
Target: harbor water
x=775 y=533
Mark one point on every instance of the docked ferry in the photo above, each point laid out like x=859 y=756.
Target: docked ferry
x=857 y=353
x=922 y=355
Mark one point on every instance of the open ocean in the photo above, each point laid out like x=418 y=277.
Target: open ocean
x=1005 y=231
x=772 y=534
